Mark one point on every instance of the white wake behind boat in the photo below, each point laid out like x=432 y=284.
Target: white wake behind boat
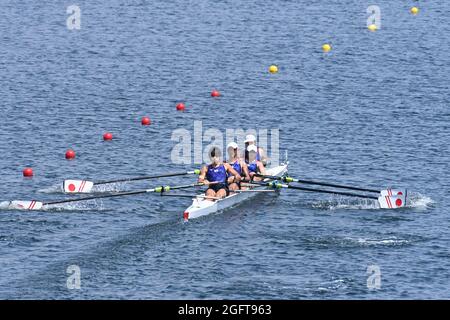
x=202 y=207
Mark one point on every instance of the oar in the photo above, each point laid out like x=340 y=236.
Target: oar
x=250 y=190
x=37 y=205
x=386 y=202
x=85 y=186
x=192 y=196
x=386 y=192
x=276 y=185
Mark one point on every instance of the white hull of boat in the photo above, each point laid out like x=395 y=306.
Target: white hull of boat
x=201 y=207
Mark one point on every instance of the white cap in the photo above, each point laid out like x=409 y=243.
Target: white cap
x=250 y=138
x=252 y=148
x=232 y=145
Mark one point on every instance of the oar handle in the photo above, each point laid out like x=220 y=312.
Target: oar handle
x=192 y=196
x=210 y=183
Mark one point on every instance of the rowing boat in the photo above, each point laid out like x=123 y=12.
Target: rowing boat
x=387 y=198
x=202 y=207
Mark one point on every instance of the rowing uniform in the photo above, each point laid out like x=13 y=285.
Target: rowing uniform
x=253 y=167
x=236 y=166
x=257 y=158
x=217 y=174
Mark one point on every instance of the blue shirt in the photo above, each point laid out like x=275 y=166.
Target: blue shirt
x=253 y=167
x=218 y=174
x=236 y=166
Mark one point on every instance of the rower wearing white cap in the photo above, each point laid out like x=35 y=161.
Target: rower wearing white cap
x=260 y=154
x=254 y=165
x=237 y=164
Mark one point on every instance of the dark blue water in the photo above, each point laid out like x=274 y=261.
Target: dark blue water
x=372 y=112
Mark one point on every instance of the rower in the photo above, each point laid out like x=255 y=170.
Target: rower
x=260 y=153
x=238 y=165
x=254 y=165
x=215 y=175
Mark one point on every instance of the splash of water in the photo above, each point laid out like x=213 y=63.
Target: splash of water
x=110 y=187
x=417 y=200
x=4 y=205
x=56 y=188
x=346 y=203
x=91 y=205
x=392 y=241
x=414 y=200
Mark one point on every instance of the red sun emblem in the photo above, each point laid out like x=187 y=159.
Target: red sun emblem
x=398 y=202
x=71 y=187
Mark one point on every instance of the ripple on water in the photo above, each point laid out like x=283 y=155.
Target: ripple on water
x=353 y=242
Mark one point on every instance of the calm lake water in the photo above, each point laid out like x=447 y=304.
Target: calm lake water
x=373 y=112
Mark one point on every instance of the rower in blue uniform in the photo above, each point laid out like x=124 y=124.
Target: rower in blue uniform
x=253 y=164
x=238 y=165
x=260 y=153
x=215 y=175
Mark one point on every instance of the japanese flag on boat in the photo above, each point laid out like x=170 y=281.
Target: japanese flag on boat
x=393 y=201
x=393 y=192
x=77 y=186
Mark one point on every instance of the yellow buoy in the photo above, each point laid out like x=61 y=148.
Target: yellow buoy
x=273 y=69
x=372 y=27
x=414 y=10
x=326 y=47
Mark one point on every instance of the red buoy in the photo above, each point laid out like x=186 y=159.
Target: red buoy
x=27 y=172
x=107 y=136
x=215 y=94
x=146 y=121
x=70 y=154
x=181 y=106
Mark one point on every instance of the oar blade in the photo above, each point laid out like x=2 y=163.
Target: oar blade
x=393 y=192
x=77 y=186
x=392 y=202
x=25 y=205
